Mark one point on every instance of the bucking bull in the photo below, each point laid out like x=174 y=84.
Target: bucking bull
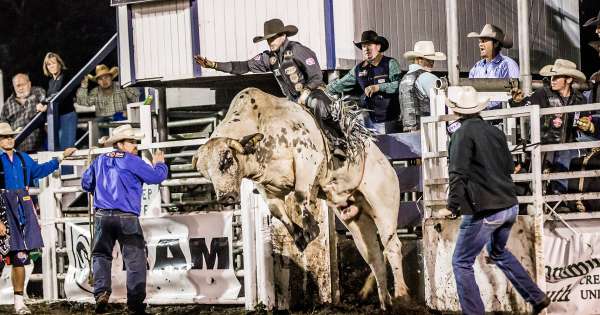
x=277 y=144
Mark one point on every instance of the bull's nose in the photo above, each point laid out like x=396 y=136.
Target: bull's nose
x=227 y=198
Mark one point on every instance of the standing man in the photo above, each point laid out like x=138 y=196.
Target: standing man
x=593 y=96
x=482 y=191
x=297 y=71
x=20 y=108
x=493 y=64
x=17 y=171
x=116 y=179
x=415 y=85
x=377 y=76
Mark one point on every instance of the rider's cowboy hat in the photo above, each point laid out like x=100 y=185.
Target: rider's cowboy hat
x=424 y=49
x=6 y=130
x=103 y=70
x=563 y=67
x=124 y=132
x=493 y=32
x=465 y=100
x=274 y=27
x=372 y=37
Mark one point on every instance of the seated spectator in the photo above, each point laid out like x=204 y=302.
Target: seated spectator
x=21 y=107
x=109 y=99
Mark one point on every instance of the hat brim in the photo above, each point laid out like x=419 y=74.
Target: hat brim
x=12 y=133
x=379 y=40
x=468 y=109
x=289 y=30
x=548 y=71
x=113 y=72
x=138 y=135
x=592 y=21
x=507 y=42
x=436 y=56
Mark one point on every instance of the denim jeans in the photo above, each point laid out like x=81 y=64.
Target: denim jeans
x=475 y=232
x=382 y=128
x=67 y=132
x=111 y=226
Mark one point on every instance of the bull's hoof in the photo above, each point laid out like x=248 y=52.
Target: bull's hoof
x=350 y=213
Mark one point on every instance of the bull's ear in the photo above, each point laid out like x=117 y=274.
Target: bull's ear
x=198 y=163
x=249 y=142
x=235 y=145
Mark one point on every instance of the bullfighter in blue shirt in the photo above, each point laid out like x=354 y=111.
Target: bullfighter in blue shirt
x=116 y=179
x=19 y=228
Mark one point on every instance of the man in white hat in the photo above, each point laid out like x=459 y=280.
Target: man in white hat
x=493 y=64
x=377 y=76
x=416 y=83
x=483 y=193
x=17 y=172
x=108 y=98
x=116 y=179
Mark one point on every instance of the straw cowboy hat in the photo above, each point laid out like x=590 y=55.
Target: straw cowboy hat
x=372 y=37
x=563 y=67
x=465 y=100
x=102 y=70
x=124 y=132
x=273 y=27
x=424 y=49
x=593 y=21
x=6 y=130
x=493 y=32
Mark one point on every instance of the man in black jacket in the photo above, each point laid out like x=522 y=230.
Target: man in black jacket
x=482 y=191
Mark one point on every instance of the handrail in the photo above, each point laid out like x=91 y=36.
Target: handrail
x=52 y=112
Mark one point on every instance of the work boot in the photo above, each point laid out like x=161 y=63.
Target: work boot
x=138 y=309
x=102 y=302
x=538 y=308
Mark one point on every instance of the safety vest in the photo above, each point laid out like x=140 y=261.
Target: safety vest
x=287 y=72
x=413 y=104
x=384 y=106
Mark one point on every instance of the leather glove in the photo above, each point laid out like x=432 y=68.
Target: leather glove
x=585 y=124
x=517 y=95
x=205 y=63
x=303 y=96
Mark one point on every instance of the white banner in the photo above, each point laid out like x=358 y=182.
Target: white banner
x=573 y=273
x=190 y=260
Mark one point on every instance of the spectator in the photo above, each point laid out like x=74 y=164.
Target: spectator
x=54 y=67
x=109 y=99
x=21 y=107
x=377 y=76
x=415 y=85
x=593 y=96
x=493 y=64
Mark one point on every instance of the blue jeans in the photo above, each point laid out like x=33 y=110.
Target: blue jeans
x=475 y=232
x=67 y=132
x=381 y=128
x=111 y=226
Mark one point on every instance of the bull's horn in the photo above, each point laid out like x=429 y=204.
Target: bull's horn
x=236 y=145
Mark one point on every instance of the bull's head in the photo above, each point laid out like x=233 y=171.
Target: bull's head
x=219 y=160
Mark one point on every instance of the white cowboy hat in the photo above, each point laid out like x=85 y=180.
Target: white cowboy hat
x=123 y=132
x=424 y=49
x=493 y=32
x=563 y=67
x=6 y=130
x=465 y=100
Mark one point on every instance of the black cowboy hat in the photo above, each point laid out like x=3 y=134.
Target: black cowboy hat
x=593 y=21
x=274 y=27
x=372 y=37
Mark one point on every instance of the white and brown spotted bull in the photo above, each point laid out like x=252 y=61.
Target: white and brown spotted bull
x=277 y=144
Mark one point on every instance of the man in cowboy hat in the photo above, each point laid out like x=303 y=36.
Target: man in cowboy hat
x=595 y=21
x=20 y=108
x=297 y=71
x=17 y=171
x=109 y=99
x=116 y=179
x=493 y=64
x=377 y=76
x=416 y=83
x=482 y=191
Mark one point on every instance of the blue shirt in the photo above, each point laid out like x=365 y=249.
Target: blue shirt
x=13 y=170
x=116 y=180
x=500 y=67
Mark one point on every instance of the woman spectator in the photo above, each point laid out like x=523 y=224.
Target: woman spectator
x=54 y=67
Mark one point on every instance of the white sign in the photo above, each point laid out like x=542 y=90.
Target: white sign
x=190 y=260
x=573 y=273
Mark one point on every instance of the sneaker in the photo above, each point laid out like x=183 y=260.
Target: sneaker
x=102 y=302
x=538 y=308
x=22 y=310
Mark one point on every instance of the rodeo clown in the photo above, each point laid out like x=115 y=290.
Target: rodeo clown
x=20 y=232
x=297 y=71
x=116 y=179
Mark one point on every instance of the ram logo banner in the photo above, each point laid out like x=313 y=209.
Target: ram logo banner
x=573 y=273
x=190 y=260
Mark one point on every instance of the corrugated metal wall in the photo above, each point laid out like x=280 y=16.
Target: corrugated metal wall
x=162 y=40
x=554 y=31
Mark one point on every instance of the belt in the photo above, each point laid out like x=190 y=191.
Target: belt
x=113 y=212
